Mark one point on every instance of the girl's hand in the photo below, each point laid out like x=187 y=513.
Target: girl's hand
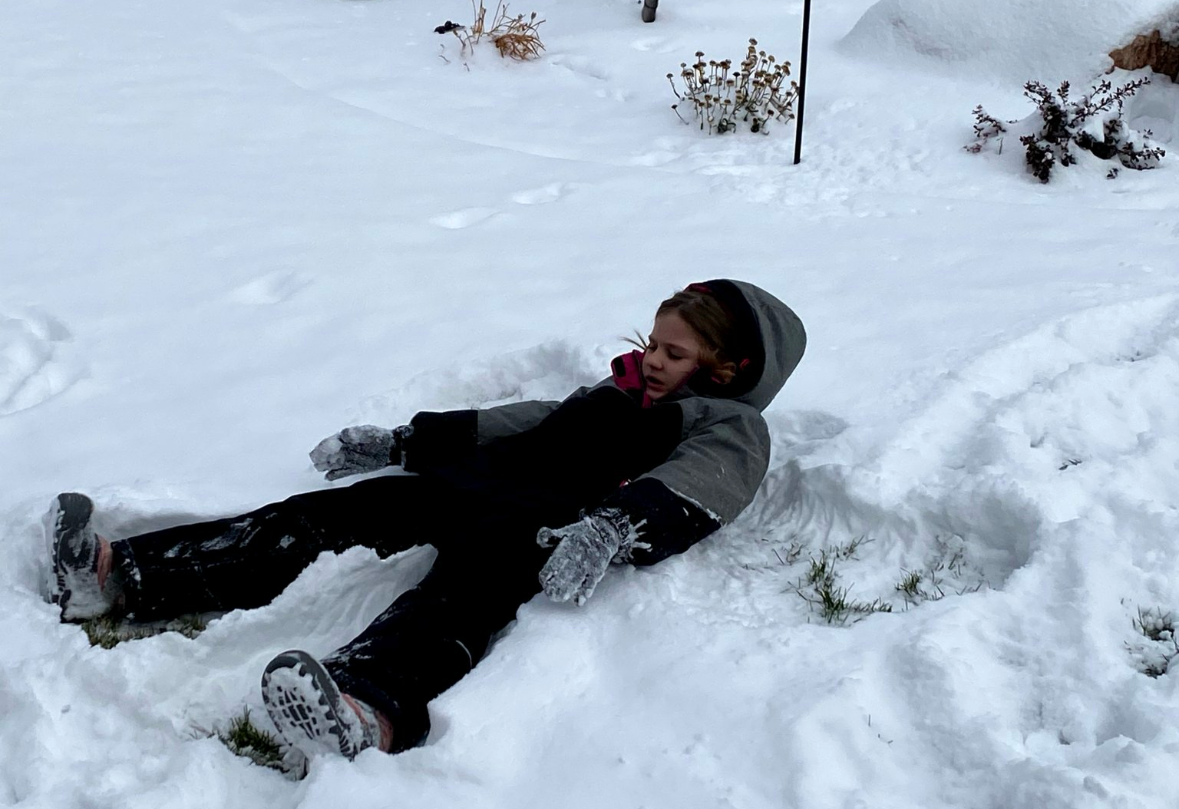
x=355 y=450
x=584 y=551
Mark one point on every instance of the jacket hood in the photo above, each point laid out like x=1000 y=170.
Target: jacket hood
x=772 y=341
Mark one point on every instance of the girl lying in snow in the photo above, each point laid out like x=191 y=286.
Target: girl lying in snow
x=635 y=469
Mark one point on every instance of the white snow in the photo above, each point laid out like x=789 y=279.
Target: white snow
x=1009 y=40
x=229 y=228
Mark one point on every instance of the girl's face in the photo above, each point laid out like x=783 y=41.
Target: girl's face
x=672 y=356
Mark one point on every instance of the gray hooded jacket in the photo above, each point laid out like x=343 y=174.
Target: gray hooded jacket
x=724 y=450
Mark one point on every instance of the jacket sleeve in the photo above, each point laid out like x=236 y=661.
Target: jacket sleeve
x=509 y=419
x=721 y=461
x=440 y=438
x=664 y=523
x=710 y=478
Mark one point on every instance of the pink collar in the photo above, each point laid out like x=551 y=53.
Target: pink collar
x=627 y=371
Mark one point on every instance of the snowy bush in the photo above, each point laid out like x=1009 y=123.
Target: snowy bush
x=756 y=93
x=1158 y=645
x=513 y=37
x=1092 y=123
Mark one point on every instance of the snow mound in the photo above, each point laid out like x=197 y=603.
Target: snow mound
x=35 y=364
x=1071 y=423
x=1155 y=107
x=1034 y=492
x=272 y=288
x=1165 y=19
x=1007 y=40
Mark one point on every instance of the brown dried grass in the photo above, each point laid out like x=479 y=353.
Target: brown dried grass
x=514 y=37
x=519 y=46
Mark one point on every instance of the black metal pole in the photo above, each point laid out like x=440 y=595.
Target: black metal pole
x=806 y=39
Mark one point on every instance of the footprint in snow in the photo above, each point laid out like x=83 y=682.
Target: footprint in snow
x=803 y=430
x=654 y=44
x=539 y=196
x=36 y=363
x=581 y=66
x=614 y=94
x=654 y=159
x=464 y=218
x=272 y=288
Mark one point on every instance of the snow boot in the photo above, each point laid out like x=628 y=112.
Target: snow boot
x=79 y=587
x=311 y=713
x=649 y=7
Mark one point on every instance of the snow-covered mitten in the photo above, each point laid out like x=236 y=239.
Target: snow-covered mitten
x=649 y=7
x=583 y=554
x=82 y=584
x=311 y=713
x=355 y=450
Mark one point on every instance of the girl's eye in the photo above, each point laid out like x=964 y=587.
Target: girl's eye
x=675 y=357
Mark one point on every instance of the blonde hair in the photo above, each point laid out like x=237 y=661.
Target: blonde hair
x=712 y=322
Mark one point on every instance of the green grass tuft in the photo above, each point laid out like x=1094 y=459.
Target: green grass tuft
x=1153 y=654
x=910 y=585
x=244 y=738
x=108 y=631
x=819 y=587
x=188 y=625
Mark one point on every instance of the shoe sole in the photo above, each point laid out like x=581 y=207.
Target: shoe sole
x=306 y=705
x=74 y=512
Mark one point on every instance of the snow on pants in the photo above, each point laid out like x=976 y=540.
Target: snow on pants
x=428 y=639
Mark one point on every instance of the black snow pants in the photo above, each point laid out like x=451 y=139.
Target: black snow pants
x=429 y=638
x=481 y=508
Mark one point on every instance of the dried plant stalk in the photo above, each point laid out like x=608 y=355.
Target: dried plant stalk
x=756 y=93
x=514 y=37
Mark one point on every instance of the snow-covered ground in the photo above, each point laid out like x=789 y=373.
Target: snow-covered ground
x=229 y=228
